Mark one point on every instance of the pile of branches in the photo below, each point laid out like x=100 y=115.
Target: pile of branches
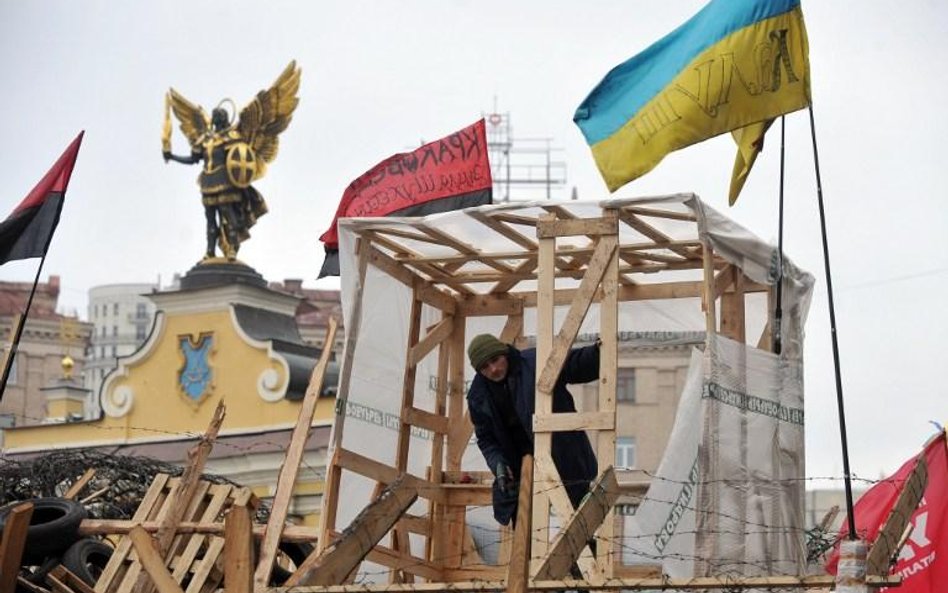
x=115 y=492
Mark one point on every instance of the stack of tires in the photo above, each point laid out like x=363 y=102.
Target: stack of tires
x=53 y=538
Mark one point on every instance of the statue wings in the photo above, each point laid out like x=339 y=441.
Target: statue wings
x=261 y=120
x=194 y=120
x=270 y=112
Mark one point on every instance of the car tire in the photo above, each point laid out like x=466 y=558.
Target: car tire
x=54 y=526
x=87 y=558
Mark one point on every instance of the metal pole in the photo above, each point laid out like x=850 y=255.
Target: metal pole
x=778 y=306
x=847 y=478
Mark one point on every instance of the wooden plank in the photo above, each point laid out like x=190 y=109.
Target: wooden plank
x=238 y=550
x=434 y=422
x=656 y=213
x=513 y=329
x=574 y=421
x=547 y=479
x=387 y=474
x=606 y=404
x=724 y=583
x=416 y=566
x=518 y=572
x=219 y=494
x=888 y=542
x=291 y=464
x=91 y=527
x=435 y=514
x=578 y=226
x=152 y=562
x=489 y=304
x=466 y=495
x=183 y=493
x=449 y=552
x=576 y=534
x=365 y=531
x=546 y=288
x=79 y=484
x=67 y=579
x=732 y=310
x=120 y=554
x=707 y=303
x=432 y=339
x=202 y=580
x=577 y=312
x=12 y=544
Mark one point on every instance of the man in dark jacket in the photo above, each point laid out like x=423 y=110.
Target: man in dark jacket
x=501 y=403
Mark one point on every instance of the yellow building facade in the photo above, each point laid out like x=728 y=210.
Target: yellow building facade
x=226 y=340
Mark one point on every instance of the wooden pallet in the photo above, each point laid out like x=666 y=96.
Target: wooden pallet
x=194 y=558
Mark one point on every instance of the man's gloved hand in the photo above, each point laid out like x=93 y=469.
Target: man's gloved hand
x=505 y=479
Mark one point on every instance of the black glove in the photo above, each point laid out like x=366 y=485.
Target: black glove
x=505 y=479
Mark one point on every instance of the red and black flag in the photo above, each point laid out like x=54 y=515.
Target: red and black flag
x=447 y=174
x=27 y=231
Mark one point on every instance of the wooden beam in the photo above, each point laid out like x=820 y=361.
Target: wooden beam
x=152 y=561
x=432 y=339
x=656 y=213
x=429 y=294
x=12 y=544
x=888 y=542
x=606 y=404
x=577 y=533
x=238 y=550
x=518 y=572
x=89 y=527
x=561 y=421
x=291 y=464
x=183 y=493
x=723 y=583
x=65 y=578
x=436 y=423
x=79 y=484
x=577 y=312
x=335 y=563
x=578 y=226
x=387 y=474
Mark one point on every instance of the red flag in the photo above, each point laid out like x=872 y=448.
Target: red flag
x=27 y=231
x=447 y=174
x=923 y=561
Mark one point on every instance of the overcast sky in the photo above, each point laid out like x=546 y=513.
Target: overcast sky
x=378 y=77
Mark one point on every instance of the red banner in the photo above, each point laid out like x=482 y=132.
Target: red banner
x=921 y=562
x=453 y=166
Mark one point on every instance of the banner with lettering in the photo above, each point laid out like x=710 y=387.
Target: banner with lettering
x=447 y=174
x=921 y=562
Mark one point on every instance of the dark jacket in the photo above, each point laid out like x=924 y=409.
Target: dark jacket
x=572 y=453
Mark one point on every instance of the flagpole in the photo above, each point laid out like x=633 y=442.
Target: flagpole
x=778 y=305
x=8 y=362
x=847 y=478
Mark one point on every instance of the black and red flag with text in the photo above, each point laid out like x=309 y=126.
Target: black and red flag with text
x=28 y=230
x=447 y=174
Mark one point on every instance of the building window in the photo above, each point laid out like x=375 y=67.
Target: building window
x=141 y=311
x=114 y=352
x=101 y=351
x=625 y=385
x=625 y=452
x=139 y=332
x=114 y=308
x=95 y=311
x=115 y=331
x=103 y=331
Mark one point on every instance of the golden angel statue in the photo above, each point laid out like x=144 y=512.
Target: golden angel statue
x=234 y=155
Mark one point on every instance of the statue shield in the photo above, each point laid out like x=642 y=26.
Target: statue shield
x=241 y=164
x=194 y=377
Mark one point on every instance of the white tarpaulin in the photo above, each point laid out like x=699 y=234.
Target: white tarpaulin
x=377 y=312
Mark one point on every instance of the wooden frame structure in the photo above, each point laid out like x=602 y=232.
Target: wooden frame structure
x=544 y=257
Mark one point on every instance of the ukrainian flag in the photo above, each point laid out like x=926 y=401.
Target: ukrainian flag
x=735 y=63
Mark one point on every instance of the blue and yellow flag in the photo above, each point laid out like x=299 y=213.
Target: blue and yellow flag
x=734 y=64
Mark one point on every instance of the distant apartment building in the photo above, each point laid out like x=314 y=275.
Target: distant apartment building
x=48 y=338
x=121 y=316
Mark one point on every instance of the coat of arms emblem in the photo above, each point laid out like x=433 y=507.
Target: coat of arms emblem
x=195 y=375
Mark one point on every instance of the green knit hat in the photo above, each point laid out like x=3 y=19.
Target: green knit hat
x=483 y=348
